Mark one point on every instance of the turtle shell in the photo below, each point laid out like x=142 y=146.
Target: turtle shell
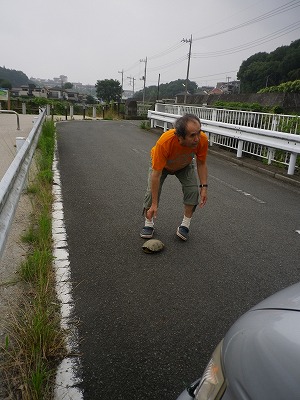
x=152 y=246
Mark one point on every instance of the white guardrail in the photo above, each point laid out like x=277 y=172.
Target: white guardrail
x=269 y=121
x=244 y=139
x=13 y=181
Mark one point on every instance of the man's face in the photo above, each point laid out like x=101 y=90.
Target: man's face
x=192 y=136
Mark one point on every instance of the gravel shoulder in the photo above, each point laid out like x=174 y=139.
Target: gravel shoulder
x=15 y=250
x=10 y=287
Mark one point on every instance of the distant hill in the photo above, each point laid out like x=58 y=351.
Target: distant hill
x=263 y=69
x=16 y=78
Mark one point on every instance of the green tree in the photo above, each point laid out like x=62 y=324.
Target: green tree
x=286 y=87
x=90 y=99
x=263 y=69
x=167 y=90
x=290 y=62
x=68 y=85
x=248 y=71
x=5 y=84
x=108 y=90
x=294 y=74
x=16 y=78
x=279 y=53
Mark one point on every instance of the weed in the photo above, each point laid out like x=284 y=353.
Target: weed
x=32 y=189
x=35 y=341
x=145 y=125
x=29 y=236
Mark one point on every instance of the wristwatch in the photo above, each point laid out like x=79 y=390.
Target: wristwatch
x=204 y=185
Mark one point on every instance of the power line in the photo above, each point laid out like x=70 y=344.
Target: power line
x=131 y=79
x=245 y=46
x=161 y=54
x=290 y=28
x=279 y=10
x=208 y=76
x=286 y=7
x=264 y=39
x=134 y=65
x=167 y=51
x=171 y=63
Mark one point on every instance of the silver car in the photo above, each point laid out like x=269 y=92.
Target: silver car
x=259 y=357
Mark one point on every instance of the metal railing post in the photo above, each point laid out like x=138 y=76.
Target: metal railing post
x=20 y=140
x=71 y=111
x=292 y=164
x=214 y=115
x=271 y=153
x=239 y=153
x=12 y=112
x=274 y=123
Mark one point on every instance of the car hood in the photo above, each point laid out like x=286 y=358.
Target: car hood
x=261 y=351
x=286 y=299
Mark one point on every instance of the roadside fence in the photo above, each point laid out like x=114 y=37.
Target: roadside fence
x=268 y=144
x=273 y=122
x=14 y=180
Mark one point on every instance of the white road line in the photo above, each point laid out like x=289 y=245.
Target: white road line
x=68 y=373
x=139 y=151
x=238 y=190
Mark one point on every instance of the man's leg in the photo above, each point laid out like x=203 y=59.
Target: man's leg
x=148 y=229
x=189 y=182
x=189 y=210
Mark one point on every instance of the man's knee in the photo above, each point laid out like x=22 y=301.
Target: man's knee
x=191 y=195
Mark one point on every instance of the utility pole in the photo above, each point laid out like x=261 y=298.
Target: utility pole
x=144 y=78
x=228 y=79
x=188 y=66
x=121 y=72
x=133 y=79
x=158 y=87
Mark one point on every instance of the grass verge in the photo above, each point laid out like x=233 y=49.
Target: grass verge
x=35 y=342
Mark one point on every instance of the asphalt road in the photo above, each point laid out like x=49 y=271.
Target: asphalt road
x=148 y=323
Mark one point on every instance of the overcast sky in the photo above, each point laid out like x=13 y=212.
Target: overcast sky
x=90 y=40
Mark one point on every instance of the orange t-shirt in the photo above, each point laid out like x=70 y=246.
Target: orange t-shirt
x=169 y=154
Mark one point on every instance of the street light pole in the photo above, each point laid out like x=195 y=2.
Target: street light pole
x=188 y=66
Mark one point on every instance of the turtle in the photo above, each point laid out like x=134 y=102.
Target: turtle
x=153 y=246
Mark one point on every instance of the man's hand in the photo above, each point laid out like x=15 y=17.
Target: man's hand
x=202 y=174
x=152 y=212
x=155 y=181
x=203 y=196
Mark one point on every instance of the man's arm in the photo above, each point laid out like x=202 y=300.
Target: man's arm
x=155 y=181
x=203 y=175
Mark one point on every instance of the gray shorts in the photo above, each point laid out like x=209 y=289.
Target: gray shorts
x=189 y=183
